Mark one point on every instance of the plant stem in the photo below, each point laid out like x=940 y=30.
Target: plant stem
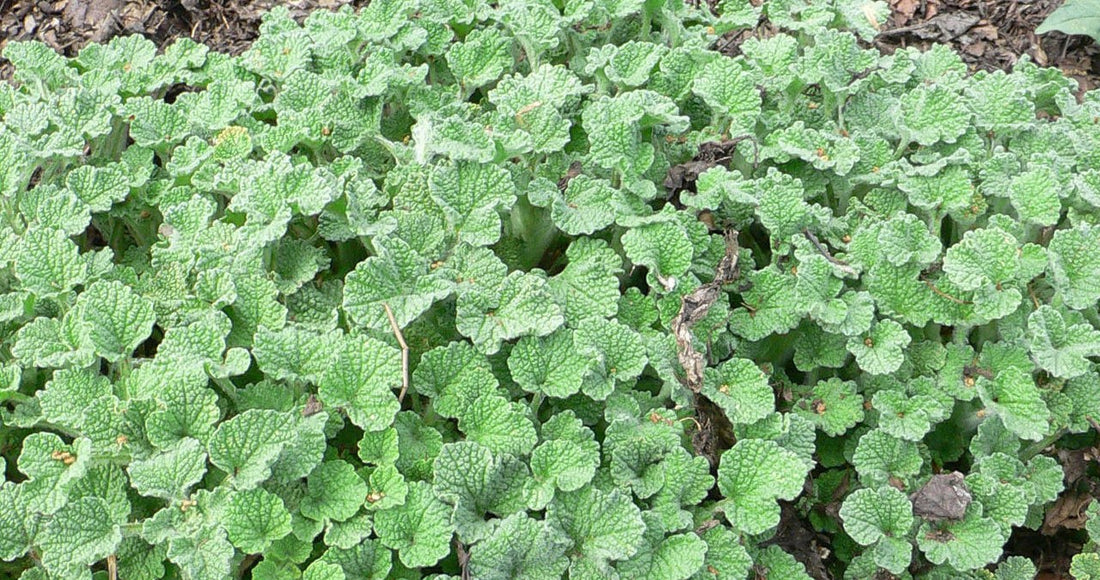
x=1038 y=447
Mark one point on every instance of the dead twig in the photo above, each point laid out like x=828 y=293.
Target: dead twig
x=943 y=294
x=404 y=353
x=463 y=559
x=706 y=526
x=112 y=567
x=844 y=266
x=694 y=306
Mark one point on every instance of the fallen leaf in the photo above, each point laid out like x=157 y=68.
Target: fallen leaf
x=1068 y=512
x=944 y=497
x=904 y=10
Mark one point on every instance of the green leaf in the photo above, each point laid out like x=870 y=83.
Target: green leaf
x=455 y=138
x=1075 y=265
x=398 y=277
x=535 y=25
x=880 y=457
x=170 y=473
x=500 y=425
x=1074 y=17
x=726 y=557
x=617 y=144
x=365 y=560
x=908 y=416
x=880 y=352
x=741 y=389
x=98 y=187
x=636 y=444
x=731 y=91
x=521 y=306
x=616 y=352
x=246 y=446
x=782 y=207
x=588 y=287
x=254 y=519
x=550 y=365
x=118 y=318
x=675 y=556
x=752 y=475
x=1000 y=103
x=190 y=410
x=479 y=485
x=631 y=63
x=1016 y=568
x=521 y=547
x=566 y=460
x=206 y=556
x=687 y=481
x=602 y=527
x=334 y=491
x=53 y=208
x=771 y=305
x=155 y=123
x=1015 y=398
x=930 y=114
x=481 y=58
x=321 y=570
x=17 y=526
x=361 y=381
x=983 y=257
x=552 y=85
x=420 y=529
x=418 y=446
x=293 y=352
x=1061 y=348
x=780 y=563
x=1034 y=194
x=966 y=544
x=663 y=247
x=387 y=488
x=454 y=376
x=833 y=405
x=949 y=190
x=587 y=204
x=48 y=263
x=37 y=64
x=822 y=150
x=872 y=515
x=471 y=194
x=1085 y=566
x=50 y=466
x=139 y=560
x=69 y=392
x=904 y=239
x=834 y=57
x=80 y=534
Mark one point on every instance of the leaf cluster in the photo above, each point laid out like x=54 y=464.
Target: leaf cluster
x=448 y=288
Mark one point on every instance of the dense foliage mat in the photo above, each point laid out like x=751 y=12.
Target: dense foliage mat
x=444 y=289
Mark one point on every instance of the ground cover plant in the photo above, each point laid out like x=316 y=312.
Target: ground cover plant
x=448 y=290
